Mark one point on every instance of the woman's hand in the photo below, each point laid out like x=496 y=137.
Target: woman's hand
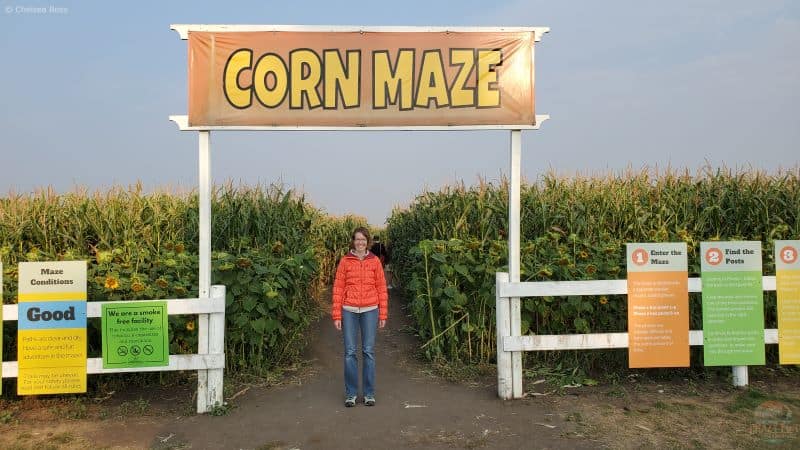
x=338 y=324
x=381 y=323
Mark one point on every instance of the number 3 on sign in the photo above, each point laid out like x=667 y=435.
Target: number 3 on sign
x=788 y=254
x=714 y=256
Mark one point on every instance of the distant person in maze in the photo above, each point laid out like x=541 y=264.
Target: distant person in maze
x=381 y=251
x=360 y=307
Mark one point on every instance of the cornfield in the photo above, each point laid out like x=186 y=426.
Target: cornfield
x=273 y=251
x=447 y=246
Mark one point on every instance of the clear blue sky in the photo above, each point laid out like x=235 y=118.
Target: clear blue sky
x=87 y=88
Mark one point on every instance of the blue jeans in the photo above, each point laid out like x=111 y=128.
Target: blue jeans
x=367 y=324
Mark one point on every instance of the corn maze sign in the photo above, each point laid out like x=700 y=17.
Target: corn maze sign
x=361 y=78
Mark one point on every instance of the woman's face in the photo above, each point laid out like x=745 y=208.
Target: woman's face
x=360 y=242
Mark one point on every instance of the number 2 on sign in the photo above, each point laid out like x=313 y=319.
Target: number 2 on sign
x=714 y=256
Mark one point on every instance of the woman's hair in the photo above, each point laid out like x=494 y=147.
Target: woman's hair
x=363 y=231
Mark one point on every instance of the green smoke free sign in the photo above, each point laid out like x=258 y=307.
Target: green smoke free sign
x=135 y=335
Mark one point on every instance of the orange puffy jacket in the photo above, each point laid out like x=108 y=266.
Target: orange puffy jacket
x=360 y=283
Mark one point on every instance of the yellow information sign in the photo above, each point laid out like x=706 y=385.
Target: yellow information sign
x=52 y=328
x=787 y=277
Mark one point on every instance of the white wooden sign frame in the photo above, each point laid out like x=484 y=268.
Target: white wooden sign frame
x=209 y=360
x=510 y=343
x=205 y=141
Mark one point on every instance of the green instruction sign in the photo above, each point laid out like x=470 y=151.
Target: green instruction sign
x=733 y=303
x=135 y=335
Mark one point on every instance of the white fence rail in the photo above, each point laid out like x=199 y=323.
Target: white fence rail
x=511 y=343
x=209 y=364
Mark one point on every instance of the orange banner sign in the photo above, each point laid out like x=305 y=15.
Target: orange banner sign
x=361 y=79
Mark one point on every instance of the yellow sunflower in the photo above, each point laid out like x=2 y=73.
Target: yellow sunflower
x=111 y=283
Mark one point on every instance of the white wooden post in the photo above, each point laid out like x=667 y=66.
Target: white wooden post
x=204 y=202
x=740 y=378
x=514 y=254
x=216 y=346
x=204 y=263
x=503 y=324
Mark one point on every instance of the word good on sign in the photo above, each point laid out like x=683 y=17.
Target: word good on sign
x=36 y=314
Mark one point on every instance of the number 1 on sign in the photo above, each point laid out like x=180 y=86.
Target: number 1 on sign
x=639 y=257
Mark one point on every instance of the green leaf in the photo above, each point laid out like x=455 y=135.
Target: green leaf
x=525 y=327
x=241 y=321
x=259 y=325
x=439 y=257
x=445 y=306
x=581 y=324
x=575 y=301
x=248 y=303
x=244 y=278
x=447 y=270
x=255 y=288
x=462 y=269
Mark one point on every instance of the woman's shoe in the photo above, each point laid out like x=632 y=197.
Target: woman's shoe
x=369 y=400
x=351 y=401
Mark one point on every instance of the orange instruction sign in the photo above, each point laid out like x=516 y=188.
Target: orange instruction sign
x=658 y=305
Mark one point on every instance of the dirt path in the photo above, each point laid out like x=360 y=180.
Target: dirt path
x=414 y=410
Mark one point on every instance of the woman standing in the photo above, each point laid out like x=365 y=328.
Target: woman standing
x=360 y=306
